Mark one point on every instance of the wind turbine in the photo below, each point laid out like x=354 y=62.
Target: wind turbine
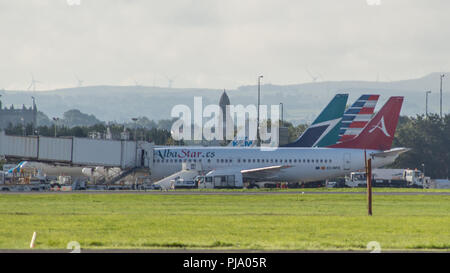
x=33 y=83
x=80 y=82
x=314 y=78
x=170 y=80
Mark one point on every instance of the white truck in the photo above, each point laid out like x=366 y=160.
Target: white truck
x=220 y=179
x=390 y=178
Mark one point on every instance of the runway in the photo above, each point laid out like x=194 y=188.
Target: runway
x=230 y=192
x=200 y=251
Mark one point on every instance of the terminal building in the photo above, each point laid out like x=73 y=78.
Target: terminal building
x=22 y=116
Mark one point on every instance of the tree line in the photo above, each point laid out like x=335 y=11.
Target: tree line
x=429 y=141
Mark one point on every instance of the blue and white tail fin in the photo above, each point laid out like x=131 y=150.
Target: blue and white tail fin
x=17 y=168
x=324 y=131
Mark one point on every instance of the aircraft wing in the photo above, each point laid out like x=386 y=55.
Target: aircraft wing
x=263 y=173
x=391 y=152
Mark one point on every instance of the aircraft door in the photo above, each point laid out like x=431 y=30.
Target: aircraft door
x=347 y=162
x=230 y=181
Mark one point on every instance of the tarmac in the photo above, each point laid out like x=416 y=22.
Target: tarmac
x=199 y=251
x=152 y=192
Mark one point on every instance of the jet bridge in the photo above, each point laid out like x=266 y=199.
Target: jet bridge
x=77 y=151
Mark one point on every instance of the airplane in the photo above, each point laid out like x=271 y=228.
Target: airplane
x=322 y=132
x=15 y=169
x=233 y=165
x=46 y=169
x=356 y=117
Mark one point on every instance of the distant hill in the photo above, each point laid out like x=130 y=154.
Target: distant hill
x=302 y=102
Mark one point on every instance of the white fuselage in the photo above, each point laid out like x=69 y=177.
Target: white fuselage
x=53 y=170
x=305 y=164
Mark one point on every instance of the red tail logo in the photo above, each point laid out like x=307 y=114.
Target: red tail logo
x=380 y=125
x=379 y=132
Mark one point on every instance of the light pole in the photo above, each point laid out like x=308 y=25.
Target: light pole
x=282 y=120
x=442 y=76
x=135 y=128
x=23 y=126
x=56 y=123
x=257 y=117
x=426 y=103
x=423 y=175
x=34 y=118
x=135 y=140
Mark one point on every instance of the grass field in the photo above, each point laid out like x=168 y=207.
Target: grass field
x=269 y=222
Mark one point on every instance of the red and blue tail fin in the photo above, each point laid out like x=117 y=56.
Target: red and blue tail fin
x=357 y=116
x=379 y=132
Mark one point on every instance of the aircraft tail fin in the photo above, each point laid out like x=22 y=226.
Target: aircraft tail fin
x=357 y=116
x=324 y=130
x=379 y=132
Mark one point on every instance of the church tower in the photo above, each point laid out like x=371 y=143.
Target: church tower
x=223 y=103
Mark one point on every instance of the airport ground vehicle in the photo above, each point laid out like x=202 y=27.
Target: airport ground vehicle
x=389 y=178
x=220 y=179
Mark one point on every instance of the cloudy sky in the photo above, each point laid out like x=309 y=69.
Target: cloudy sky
x=219 y=43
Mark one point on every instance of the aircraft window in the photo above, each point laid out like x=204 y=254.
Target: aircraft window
x=226 y=160
x=243 y=160
x=295 y=160
x=254 y=160
x=308 y=161
x=276 y=160
x=285 y=161
x=290 y=160
x=271 y=160
x=167 y=160
x=304 y=160
x=258 y=160
x=221 y=160
x=209 y=160
x=231 y=160
x=171 y=160
x=218 y=160
x=321 y=161
x=157 y=161
x=317 y=160
x=330 y=160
